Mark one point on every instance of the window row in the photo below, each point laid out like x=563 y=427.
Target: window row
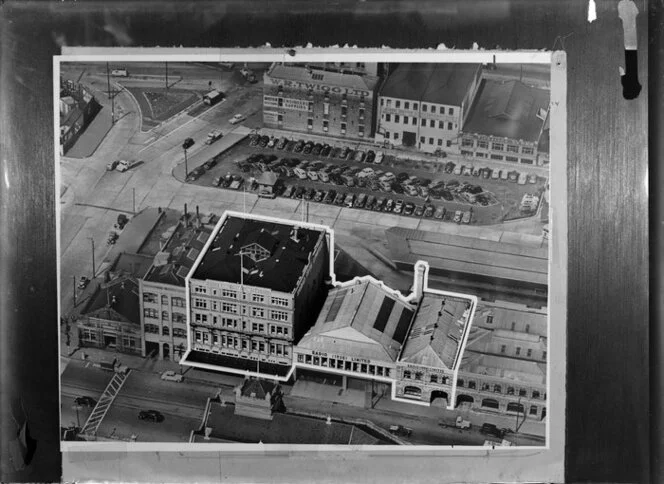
x=423 y=122
x=407 y=374
x=165 y=315
x=150 y=297
x=518 y=351
x=413 y=105
x=243 y=343
x=344 y=365
x=343 y=126
x=234 y=323
x=496 y=388
x=497 y=146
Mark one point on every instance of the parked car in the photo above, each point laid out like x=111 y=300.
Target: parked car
x=170 y=375
x=272 y=143
x=254 y=139
x=398 y=206
x=371 y=156
x=409 y=208
x=389 y=205
x=83 y=282
x=318 y=197
x=504 y=175
x=476 y=171
x=325 y=151
x=188 y=143
x=466 y=217
x=449 y=167
x=317 y=149
x=428 y=211
x=532 y=178
x=457 y=216
x=236 y=119
x=299 y=192
x=495 y=174
x=121 y=221
x=440 y=213
x=379 y=158
x=329 y=198
x=151 y=416
x=339 y=200
x=309 y=194
x=308 y=146
x=467 y=171
x=486 y=173
x=298 y=146
x=124 y=165
x=491 y=429
x=460 y=423
x=112 y=238
x=458 y=169
x=112 y=165
x=283 y=141
x=359 y=156
x=447 y=195
x=344 y=152
x=380 y=203
x=371 y=200
x=360 y=201
x=312 y=174
x=264 y=141
x=400 y=430
x=210 y=163
x=85 y=401
x=348 y=201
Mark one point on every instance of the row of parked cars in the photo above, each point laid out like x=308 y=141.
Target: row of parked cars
x=495 y=174
x=317 y=149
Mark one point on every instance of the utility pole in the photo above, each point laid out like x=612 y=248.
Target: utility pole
x=186 y=171
x=93 y=257
x=74 y=281
x=133 y=194
x=167 y=75
x=110 y=94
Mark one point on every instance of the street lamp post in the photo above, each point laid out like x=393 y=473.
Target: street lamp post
x=93 y=257
x=186 y=171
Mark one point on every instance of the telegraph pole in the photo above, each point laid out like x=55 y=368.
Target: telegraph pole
x=166 y=75
x=74 y=281
x=93 y=257
x=186 y=170
x=133 y=193
x=110 y=94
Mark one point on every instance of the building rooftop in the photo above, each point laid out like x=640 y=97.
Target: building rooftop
x=181 y=246
x=362 y=318
x=303 y=74
x=275 y=255
x=437 y=331
x=508 y=109
x=431 y=82
x=135 y=265
x=267 y=178
x=257 y=388
x=116 y=300
x=519 y=370
x=520 y=260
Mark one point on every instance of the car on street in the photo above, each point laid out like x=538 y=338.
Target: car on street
x=188 y=143
x=457 y=216
x=210 y=163
x=532 y=178
x=272 y=143
x=308 y=146
x=112 y=165
x=151 y=416
x=83 y=282
x=195 y=174
x=400 y=430
x=290 y=145
x=312 y=174
x=486 y=173
x=298 y=146
x=477 y=171
x=371 y=200
x=440 y=213
x=410 y=190
x=170 y=375
x=491 y=429
x=359 y=156
x=299 y=192
x=344 y=152
x=236 y=119
x=323 y=176
x=419 y=210
x=504 y=175
x=125 y=165
x=360 y=201
x=467 y=171
x=349 y=200
x=458 y=170
x=466 y=217
x=85 y=401
x=449 y=167
x=264 y=141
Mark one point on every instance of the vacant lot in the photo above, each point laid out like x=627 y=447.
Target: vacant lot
x=157 y=105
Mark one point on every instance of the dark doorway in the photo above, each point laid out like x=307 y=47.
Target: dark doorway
x=110 y=340
x=465 y=399
x=490 y=403
x=408 y=138
x=440 y=396
x=412 y=392
x=151 y=349
x=167 y=351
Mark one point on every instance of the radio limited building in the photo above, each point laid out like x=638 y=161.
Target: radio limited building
x=320 y=100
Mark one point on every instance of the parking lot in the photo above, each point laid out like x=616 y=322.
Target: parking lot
x=349 y=177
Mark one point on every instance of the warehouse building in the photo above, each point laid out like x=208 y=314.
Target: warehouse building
x=319 y=100
x=254 y=290
x=424 y=106
x=508 y=123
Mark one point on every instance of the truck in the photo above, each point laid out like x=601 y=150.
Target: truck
x=120 y=72
x=213 y=136
x=248 y=75
x=113 y=366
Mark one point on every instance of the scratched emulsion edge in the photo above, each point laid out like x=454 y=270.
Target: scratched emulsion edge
x=122 y=457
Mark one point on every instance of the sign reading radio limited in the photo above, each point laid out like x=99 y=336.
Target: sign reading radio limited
x=314 y=86
x=287 y=103
x=340 y=357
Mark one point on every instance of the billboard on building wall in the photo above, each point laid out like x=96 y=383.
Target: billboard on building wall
x=286 y=103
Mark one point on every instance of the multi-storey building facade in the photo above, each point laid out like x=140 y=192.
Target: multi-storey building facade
x=424 y=106
x=163 y=295
x=506 y=123
x=311 y=99
x=254 y=291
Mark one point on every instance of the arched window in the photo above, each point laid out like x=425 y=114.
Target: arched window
x=165 y=331
x=515 y=407
x=490 y=403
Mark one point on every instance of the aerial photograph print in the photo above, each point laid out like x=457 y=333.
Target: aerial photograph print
x=325 y=253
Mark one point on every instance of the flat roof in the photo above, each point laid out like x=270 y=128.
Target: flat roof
x=507 y=109
x=362 y=318
x=172 y=264
x=437 y=330
x=275 y=254
x=299 y=73
x=456 y=253
x=518 y=370
x=431 y=82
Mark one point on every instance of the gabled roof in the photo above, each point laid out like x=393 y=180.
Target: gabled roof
x=116 y=300
x=362 y=318
x=259 y=388
x=267 y=178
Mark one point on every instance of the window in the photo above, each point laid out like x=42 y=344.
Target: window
x=229 y=293
x=361 y=113
x=424 y=108
x=526 y=161
x=496 y=157
x=513 y=148
x=471 y=385
x=397 y=104
x=503 y=348
x=326 y=109
x=544 y=355
x=344 y=111
x=450 y=126
x=518 y=351
x=527 y=328
x=413 y=121
x=483 y=144
x=432 y=123
x=440 y=142
x=510 y=390
x=279 y=316
x=396 y=118
x=150 y=297
x=434 y=378
x=406 y=374
x=300 y=358
x=527 y=150
x=422 y=140
x=430 y=141
x=199 y=336
x=424 y=122
x=360 y=130
x=536 y=394
x=279 y=301
x=200 y=303
x=451 y=111
x=497 y=389
x=164 y=300
x=513 y=159
x=200 y=289
x=150 y=313
x=489 y=319
x=310 y=123
x=206 y=337
x=529 y=353
x=200 y=318
x=164 y=315
x=382 y=101
x=215 y=338
x=467 y=142
x=406 y=105
x=396 y=135
x=259 y=298
x=165 y=331
x=513 y=325
x=485 y=386
x=343 y=128
x=179 y=333
x=522 y=392
x=177 y=317
x=533 y=410
x=448 y=143
x=261 y=346
x=418 y=375
x=387 y=135
x=128 y=342
x=152 y=328
x=228 y=307
x=433 y=109
x=497 y=146
x=460 y=383
x=285 y=331
x=441 y=125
